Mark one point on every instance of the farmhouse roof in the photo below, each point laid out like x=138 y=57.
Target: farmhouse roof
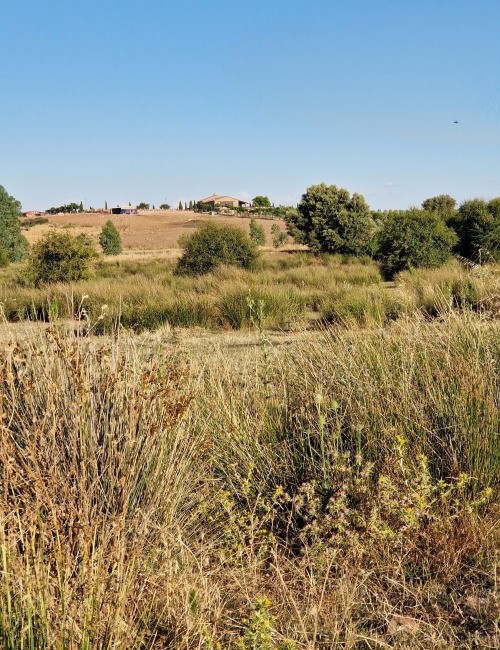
x=218 y=197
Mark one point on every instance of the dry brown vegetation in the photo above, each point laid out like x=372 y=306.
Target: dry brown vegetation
x=151 y=230
x=337 y=492
x=331 y=486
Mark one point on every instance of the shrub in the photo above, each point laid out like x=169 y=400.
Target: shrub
x=330 y=220
x=212 y=245
x=59 y=257
x=477 y=225
x=110 y=240
x=413 y=238
x=4 y=257
x=257 y=234
x=280 y=238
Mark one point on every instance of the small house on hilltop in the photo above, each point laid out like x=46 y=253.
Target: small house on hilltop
x=124 y=209
x=220 y=201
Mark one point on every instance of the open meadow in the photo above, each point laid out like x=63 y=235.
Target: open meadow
x=297 y=456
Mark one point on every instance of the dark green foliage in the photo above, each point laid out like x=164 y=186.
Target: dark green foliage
x=11 y=238
x=214 y=244
x=69 y=207
x=330 y=220
x=261 y=202
x=443 y=205
x=279 y=237
x=110 y=240
x=143 y=206
x=105 y=205
x=180 y=206
x=59 y=257
x=477 y=224
x=413 y=238
x=164 y=206
x=81 y=206
x=257 y=234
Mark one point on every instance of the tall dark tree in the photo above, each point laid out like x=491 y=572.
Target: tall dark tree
x=330 y=220
x=81 y=206
x=105 y=205
x=12 y=240
x=180 y=205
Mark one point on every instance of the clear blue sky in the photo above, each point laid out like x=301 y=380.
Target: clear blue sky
x=147 y=100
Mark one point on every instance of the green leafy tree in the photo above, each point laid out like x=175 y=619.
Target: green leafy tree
x=279 y=237
x=110 y=240
x=80 y=207
x=257 y=234
x=477 y=224
x=261 y=202
x=164 y=206
x=413 y=238
x=180 y=205
x=59 y=257
x=12 y=240
x=190 y=205
x=105 y=205
x=329 y=220
x=443 y=205
x=214 y=244
x=143 y=206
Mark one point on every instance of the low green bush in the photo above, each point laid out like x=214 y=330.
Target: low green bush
x=59 y=257
x=411 y=239
x=256 y=233
x=212 y=245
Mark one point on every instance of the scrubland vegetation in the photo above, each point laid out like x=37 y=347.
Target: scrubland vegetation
x=327 y=477
x=337 y=492
x=293 y=291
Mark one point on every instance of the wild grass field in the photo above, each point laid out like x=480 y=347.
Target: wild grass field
x=178 y=473
x=286 y=291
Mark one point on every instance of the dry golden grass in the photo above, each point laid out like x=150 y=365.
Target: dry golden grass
x=336 y=491
x=151 y=230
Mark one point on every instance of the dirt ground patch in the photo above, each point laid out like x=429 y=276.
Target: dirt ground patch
x=146 y=231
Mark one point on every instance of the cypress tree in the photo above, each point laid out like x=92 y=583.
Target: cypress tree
x=110 y=240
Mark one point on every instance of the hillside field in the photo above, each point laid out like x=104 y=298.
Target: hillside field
x=151 y=230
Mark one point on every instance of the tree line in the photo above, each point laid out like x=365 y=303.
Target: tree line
x=329 y=220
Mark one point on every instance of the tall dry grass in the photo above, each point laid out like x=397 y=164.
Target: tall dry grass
x=337 y=491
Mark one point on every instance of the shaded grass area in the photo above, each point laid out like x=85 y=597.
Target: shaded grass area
x=339 y=493
x=284 y=293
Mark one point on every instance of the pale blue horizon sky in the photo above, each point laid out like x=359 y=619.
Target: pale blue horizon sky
x=118 y=101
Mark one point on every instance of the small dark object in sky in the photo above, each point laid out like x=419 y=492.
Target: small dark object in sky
x=455 y=122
